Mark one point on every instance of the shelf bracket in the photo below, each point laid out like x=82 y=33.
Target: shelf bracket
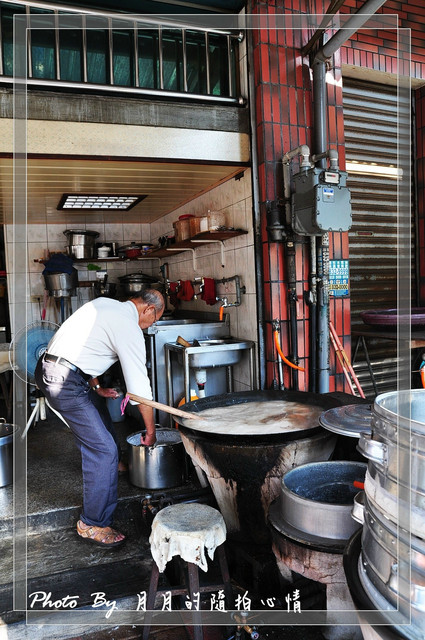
x=223 y=261
x=186 y=249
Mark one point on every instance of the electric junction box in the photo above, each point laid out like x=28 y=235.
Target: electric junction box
x=320 y=202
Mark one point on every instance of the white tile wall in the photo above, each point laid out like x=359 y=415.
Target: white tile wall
x=232 y=197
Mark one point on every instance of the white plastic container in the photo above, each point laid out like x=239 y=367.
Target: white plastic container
x=216 y=220
x=103 y=252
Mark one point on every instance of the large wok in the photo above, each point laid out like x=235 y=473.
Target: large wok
x=244 y=471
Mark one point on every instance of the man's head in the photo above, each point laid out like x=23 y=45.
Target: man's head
x=150 y=306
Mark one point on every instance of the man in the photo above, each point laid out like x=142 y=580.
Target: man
x=92 y=339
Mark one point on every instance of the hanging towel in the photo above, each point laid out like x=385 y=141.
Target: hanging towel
x=186 y=290
x=208 y=294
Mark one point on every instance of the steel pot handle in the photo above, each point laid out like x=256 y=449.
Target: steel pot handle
x=357 y=512
x=372 y=449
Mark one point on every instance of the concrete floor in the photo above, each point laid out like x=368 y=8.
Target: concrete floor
x=60 y=563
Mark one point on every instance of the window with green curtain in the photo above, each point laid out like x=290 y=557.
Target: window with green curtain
x=97 y=59
x=219 y=81
x=172 y=49
x=123 y=57
x=148 y=58
x=70 y=53
x=7 y=11
x=43 y=63
x=196 y=62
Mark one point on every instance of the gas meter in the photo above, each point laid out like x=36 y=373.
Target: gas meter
x=320 y=202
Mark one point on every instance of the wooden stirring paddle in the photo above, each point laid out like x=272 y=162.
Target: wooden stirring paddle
x=164 y=407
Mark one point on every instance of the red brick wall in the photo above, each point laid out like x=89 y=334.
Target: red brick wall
x=377 y=50
x=283 y=99
x=420 y=178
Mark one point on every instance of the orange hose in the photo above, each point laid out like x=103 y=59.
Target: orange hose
x=280 y=352
x=422 y=370
x=221 y=312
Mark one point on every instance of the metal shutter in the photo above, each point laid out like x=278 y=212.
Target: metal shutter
x=370 y=120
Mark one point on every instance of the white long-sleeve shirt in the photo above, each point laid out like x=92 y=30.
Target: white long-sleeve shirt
x=100 y=333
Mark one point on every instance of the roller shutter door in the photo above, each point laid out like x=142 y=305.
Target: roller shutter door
x=370 y=120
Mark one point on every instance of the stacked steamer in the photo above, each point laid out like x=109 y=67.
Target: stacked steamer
x=386 y=572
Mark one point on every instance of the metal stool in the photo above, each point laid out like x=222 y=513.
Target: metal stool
x=188 y=531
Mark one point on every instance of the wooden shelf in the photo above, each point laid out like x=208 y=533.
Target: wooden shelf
x=178 y=247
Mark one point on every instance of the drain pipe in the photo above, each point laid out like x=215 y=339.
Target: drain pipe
x=320 y=146
x=352 y=25
x=259 y=273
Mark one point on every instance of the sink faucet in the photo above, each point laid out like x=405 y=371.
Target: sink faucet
x=225 y=303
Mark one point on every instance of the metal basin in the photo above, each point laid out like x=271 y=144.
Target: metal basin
x=316 y=501
x=222 y=352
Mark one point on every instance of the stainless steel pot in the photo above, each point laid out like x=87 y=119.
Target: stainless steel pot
x=316 y=500
x=6 y=452
x=80 y=251
x=61 y=284
x=81 y=243
x=161 y=466
x=81 y=236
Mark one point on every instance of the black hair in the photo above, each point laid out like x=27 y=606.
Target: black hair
x=151 y=297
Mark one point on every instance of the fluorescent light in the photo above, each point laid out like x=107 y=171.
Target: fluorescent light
x=100 y=202
x=374 y=169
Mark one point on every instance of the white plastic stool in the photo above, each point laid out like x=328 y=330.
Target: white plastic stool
x=188 y=531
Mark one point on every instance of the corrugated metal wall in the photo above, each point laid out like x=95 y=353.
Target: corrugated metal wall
x=370 y=120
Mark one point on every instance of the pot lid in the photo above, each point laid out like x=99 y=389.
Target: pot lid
x=129 y=247
x=85 y=232
x=137 y=277
x=164 y=438
x=348 y=420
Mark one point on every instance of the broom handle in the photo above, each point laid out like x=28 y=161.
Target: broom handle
x=164 y=407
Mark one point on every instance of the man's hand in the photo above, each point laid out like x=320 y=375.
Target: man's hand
x=107 y=393
x=148 y=440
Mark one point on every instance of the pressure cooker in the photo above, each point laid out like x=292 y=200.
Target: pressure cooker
x=137 y=282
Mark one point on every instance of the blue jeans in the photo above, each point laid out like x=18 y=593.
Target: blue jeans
x=89 y=420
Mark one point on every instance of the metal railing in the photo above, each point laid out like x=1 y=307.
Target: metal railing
x=150 y=55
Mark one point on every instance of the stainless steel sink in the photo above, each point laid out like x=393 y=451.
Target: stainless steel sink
x=222 y=352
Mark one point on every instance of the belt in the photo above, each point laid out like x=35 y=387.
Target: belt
x=65 y=363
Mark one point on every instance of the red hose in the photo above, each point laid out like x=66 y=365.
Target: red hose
x=358 y=485
x=280 y=352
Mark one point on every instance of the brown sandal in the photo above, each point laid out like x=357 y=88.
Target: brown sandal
x=99 y=535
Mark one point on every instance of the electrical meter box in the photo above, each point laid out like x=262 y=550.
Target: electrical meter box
x=320 y=202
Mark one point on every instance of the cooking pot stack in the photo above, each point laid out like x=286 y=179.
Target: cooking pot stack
x=391 y=566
